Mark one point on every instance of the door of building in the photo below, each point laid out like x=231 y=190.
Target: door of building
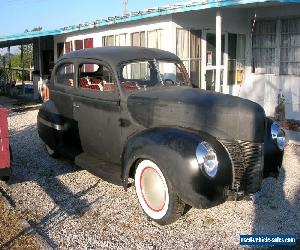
x=210 y=62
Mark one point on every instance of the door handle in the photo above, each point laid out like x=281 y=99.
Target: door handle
x=75 y=105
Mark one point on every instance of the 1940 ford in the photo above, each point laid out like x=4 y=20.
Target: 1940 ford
x=127 y=112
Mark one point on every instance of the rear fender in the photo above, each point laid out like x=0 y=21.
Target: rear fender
x=50 y=124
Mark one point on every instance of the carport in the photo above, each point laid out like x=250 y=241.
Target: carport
x=43 y=57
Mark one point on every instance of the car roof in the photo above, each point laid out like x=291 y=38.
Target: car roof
x=116 y=55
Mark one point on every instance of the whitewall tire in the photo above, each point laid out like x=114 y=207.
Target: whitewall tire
x=155 y=193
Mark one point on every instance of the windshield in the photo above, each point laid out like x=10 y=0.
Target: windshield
x=152 y=73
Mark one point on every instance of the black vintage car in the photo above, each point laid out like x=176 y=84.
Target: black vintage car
x=126 y=112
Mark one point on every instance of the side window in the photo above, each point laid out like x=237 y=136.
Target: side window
x=96 y=77
x=65 y=75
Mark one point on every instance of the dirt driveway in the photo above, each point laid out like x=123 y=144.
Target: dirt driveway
x=70 y=208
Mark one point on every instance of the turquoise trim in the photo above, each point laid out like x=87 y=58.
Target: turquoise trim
x=171 y=9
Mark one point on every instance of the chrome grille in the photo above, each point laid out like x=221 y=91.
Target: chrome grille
x=247 y=160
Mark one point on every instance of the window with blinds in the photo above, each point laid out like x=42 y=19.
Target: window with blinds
x=121 y=40
x=154 y=39
x=290 y=47
x=138 y=39
x=108 y=41
x=136 y=70
x=264 y=47
x=188 y=49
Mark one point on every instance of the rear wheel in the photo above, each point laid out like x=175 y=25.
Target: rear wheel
x=51 y=152
x=4 y=178
x=156 y=195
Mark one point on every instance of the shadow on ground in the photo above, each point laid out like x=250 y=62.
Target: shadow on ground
x=31 y=163
x=272 y=205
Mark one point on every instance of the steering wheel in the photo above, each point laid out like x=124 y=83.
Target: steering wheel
x=169 y=82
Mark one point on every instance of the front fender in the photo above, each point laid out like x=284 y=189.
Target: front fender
x=174 y=151
x=273 y=156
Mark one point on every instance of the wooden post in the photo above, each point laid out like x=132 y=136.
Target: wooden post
x=218 y=50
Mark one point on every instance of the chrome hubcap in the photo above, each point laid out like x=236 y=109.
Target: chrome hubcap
x=153 y=189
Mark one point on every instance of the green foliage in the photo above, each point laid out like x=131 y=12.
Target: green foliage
x=16 y=59
x=16 y=62
x=39 y=28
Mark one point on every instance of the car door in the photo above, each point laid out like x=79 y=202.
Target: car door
x=63 y=89
x=97 y=110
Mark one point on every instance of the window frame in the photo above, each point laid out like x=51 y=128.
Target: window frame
x=79 y=44
x=278 y=54
x=292 y=47
x=102 y=95
x=60 y=48
x=118 y=36
x=57 y=68
x=122 y=65
x=274 y=69
x=238 y=63
x=87 y=41
x=157 y=40
x=104 y=40
x=68 y=47
x=187 y=62
x=140 y=40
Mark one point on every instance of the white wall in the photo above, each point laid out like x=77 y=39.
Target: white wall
x=262 y=89
x=259 y=88
x=163 y=22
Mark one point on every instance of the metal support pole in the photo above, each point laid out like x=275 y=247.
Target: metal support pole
x=218 y=50
x=5 y=75
x=125 y=3
x=10 y=71
x=9 y=65
x=22 y=63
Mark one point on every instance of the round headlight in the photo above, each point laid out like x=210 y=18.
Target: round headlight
x=207 y=158
x=278 y=135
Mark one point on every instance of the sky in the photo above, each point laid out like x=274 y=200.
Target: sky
x=18 y=15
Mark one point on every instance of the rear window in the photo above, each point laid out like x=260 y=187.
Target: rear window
x=96 y=77
x=65 y=75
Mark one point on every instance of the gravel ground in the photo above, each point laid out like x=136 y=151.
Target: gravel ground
x=71 y=208
x=12 y=233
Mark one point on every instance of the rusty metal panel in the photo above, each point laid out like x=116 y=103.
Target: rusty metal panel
x=4 y=141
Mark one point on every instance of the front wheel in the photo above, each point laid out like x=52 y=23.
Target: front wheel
x=156 y=195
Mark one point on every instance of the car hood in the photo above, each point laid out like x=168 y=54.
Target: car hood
x=222 y=116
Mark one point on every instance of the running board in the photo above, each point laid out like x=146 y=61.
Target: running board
x=107 y=171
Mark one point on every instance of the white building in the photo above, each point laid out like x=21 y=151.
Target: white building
x=239 y=47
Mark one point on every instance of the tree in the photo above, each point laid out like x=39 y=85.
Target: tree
x=16 y=59
x=39 y=28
